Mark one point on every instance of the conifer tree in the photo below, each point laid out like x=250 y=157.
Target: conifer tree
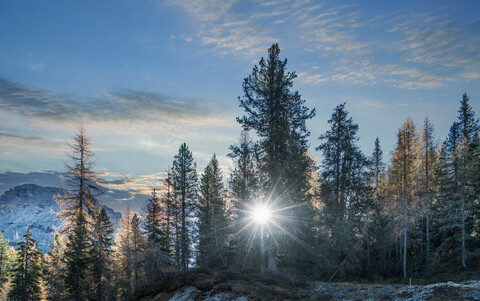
x=6 y=260
x=168 y=213
x=185 y=191
x=79 y=258
x=467 y=154
x=153 y=220
x=278 y=117
x=403 y=176
x=428 y=157
x=125 y=250
x=55 y=267
x=103 y=242
x=377 y=164
x=213 y=221
x=244 y=187
x=138 y=244
x=78 y=208
x=28 y=272
x=244 y=178
x=344 y=190
x=83 y=190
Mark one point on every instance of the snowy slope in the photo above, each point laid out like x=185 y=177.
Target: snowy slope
x=33 y=205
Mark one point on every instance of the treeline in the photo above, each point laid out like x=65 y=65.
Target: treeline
x=351 y=216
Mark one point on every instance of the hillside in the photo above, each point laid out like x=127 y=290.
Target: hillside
x=33 y=205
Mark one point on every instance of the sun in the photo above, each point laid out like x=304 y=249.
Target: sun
x=261 y=214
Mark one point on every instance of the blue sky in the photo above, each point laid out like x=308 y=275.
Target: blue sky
x=144 y=76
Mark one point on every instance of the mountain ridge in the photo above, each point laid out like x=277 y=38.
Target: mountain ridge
x=33 y=205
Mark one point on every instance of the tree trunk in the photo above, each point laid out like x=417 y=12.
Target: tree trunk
x=428 y=237
x=405 y=242
x=462 y=213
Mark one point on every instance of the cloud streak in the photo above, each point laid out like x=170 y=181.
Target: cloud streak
x=126 y=105
x=406 y=50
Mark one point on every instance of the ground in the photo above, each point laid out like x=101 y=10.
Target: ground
x=236 y=286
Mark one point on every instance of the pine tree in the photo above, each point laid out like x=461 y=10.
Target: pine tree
x=278 y=117
x=244 y=178
x=28 y=272
x=377 y=164
x=344 y=190
x=244 y=187
x=213 y=221
x=6 y=260
x=103 y=242
x=153 y=220
x=467 y=154
x=79 y=259
x=185 y=190
x=168 y=213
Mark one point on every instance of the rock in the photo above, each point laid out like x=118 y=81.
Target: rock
x=33 y=205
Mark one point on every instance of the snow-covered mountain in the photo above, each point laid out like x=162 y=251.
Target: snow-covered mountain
x=33 y=205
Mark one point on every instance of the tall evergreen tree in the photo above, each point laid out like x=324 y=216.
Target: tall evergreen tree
x=344 y=190
x=153 y=219
x=278 y=117
x=185 y=191
x=103 y=242
x=378 y=166
x=467 y=154
x=213 y=221
x=79 y=259
x=28 y=272
x=6 y=260
x=244 y=186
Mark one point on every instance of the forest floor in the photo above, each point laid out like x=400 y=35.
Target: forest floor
x=235 y=286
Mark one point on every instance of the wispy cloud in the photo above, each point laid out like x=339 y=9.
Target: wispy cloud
x=126 y=105
x=4 y=135
x=407 y=50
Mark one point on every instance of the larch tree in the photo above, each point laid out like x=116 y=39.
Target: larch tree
x=124 y=249
x=428 y=157
x=55 y=267
x=185 y=193
x=403 y=176
x=138 y=245
x=81 y=194
x=278 y=116
x=78 y=208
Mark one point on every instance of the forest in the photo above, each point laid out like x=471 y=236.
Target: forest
x=350 y=217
